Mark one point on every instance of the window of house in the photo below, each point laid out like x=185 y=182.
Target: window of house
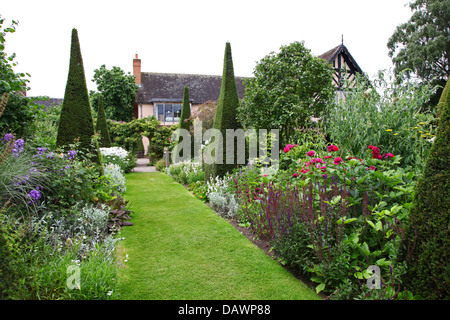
x=168 y=112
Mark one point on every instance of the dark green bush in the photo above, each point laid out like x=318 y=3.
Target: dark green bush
x=426 y=249
x=160 y=165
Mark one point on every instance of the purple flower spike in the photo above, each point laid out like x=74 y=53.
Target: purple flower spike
x=8 y=137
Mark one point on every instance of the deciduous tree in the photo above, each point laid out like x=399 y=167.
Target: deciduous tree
x=288 y=88
x=118 y=90
x=421 y=46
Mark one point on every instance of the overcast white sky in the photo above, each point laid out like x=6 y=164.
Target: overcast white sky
x=179 y=36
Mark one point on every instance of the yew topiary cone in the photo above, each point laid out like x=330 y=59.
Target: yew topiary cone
x=76 y=117
x=102 y=126
x=426 y=247
x=225 y=117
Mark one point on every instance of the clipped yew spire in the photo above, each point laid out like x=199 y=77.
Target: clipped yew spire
x=102 y=126
x=426 y=248
x=185 y=123
x=225 y=117
x=76 y=117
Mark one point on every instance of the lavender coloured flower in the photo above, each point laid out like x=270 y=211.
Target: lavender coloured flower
x=41 y=151
x=8 y=137
x=72 y=154
x=18 y=147
x=35 y=195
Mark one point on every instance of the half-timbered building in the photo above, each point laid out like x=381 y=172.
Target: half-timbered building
x=344 y=64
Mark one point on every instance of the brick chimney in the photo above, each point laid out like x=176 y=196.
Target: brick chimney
x=137 y=69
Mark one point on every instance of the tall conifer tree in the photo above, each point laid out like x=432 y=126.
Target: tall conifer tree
x=185 y=123
x=225 y=117
x=76 y=117
x=102 y=126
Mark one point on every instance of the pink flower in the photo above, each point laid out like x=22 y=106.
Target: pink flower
x=304 y=171
x=375 y=152
x=333 y=148
x=337 y=160
x=295 y=174
x=323 y=168
x=311 y=153
x=388 y=155
x=318 y=160
x=328 y=157
x=370 y=168
x=289 y=147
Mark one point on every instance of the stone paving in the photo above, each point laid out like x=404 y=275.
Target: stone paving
x=143 y=167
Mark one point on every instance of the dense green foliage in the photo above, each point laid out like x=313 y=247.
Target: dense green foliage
x=56 y=213
x=442 y=99
x=102 y=126
x=421 y=45
x=118 y=91
x=76 y=121
x=225 y=119
x=384 y=113
x=288 y=88
x=128 y=135
x=427 y=244
x=21 y=111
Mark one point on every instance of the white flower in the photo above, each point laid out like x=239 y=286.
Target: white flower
x=114 y=152
x=115 y=174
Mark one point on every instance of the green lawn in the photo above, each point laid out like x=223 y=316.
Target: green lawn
x=180 y=249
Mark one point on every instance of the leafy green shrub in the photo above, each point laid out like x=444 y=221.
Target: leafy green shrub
x=128 y=135
x=199 y=189
x=332 y=215
x=160 y=165
x=21 y=110
x=45 y=275
x=186 y=172
x=11 y=248
x=45 y=128
x=387 y=115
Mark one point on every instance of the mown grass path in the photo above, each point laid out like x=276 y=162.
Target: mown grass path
x=180 y=249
